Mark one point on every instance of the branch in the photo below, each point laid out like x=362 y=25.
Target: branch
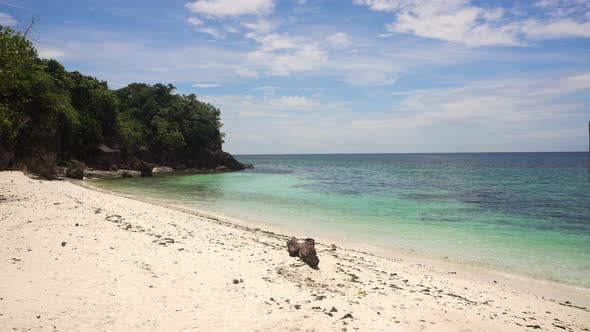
x=30 y=27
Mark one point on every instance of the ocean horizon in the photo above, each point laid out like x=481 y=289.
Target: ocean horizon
x=520 y=212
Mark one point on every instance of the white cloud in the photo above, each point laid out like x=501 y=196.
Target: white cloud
x=460 y=21
x=267 y=105
x=194 y=21
x=231 y=29
x=7 y=20
x=283 y=54
x=48 y=53
x=213 y=32
x=223 y=8
x=339 y=40
x=383 y=5
x=302 y=58
x=561 y=28
x=496 y=115
x=454 y=21
x=274 y=42
x=245 y=72
x=261 y=26
x=206 y=85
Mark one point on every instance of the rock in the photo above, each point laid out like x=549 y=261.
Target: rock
x=293 y=247
x=228 y=160
x=75 y=170
x=132 y=163
x=126 y=174
x=43 y=163
x=221 y=168
x=180 y=168
x=308 y=254
x=145 y=169
x=347 y=316
x=113 y=168
x=162 y=169
x=164 y=241
x=304 y=250
x=248 y=166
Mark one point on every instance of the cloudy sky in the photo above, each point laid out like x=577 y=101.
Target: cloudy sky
x=337 y=76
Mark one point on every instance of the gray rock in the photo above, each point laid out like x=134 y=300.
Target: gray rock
x=75 y=170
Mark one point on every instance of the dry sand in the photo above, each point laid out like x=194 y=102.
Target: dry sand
x=76 y=259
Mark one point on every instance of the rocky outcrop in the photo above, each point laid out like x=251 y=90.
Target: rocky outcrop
x=212 y=158
x=304 y=249
x=135 y=164
x=162 y=169
x=75 y=170
x=42 y=163
x=146 y=169
x=230 y=162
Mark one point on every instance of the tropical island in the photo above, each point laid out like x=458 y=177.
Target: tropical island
x=327 y=242
x=51 y=117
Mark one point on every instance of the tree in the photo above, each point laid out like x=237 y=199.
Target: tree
x=49 y=114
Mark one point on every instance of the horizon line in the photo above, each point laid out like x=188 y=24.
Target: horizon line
x=369 y=153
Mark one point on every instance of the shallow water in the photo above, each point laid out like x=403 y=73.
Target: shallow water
x=527 y=213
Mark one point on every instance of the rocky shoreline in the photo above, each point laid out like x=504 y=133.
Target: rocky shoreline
x=78 y=170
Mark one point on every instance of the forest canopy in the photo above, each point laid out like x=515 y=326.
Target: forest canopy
x=49 y=112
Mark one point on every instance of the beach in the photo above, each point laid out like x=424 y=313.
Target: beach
x=82 y=259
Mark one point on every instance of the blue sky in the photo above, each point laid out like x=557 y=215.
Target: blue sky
x=338 y=76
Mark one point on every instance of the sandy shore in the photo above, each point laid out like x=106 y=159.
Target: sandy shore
x=76 y=259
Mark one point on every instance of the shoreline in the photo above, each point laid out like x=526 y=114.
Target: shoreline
x=482 y=272
x=128 y=264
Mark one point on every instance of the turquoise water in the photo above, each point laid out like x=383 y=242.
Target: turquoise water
x=527 y=213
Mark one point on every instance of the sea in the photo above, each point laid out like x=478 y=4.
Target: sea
x=523 y=213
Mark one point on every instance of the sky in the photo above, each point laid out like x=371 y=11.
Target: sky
x=343 y=76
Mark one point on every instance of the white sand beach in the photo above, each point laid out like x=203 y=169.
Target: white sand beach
x=78 y=259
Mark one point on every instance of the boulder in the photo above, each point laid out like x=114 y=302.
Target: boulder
x=221 y=168
x=133 y=163
x=304 y=249
x=162 y=169
x=146 y=169
x=248 y=166
x=42 y=163
x=136 y=164
x=126 y=174
x=75 y=170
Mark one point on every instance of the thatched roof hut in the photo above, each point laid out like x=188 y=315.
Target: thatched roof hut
x=105 y=156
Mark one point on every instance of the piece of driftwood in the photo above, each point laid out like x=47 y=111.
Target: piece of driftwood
x=304 y=249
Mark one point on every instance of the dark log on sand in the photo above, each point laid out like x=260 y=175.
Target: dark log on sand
x=304 y=249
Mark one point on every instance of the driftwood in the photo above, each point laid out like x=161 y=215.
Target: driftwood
x=304 y=249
